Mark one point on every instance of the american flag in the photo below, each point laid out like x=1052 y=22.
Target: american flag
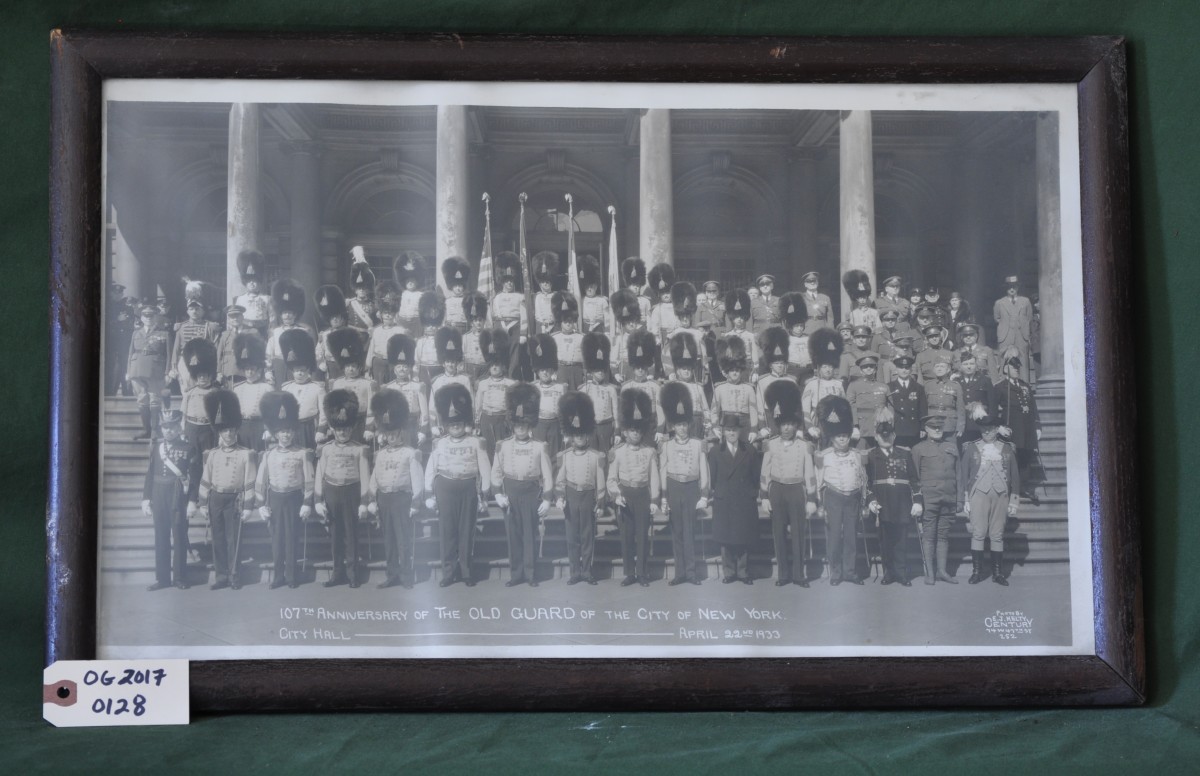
x=523 y=254
x=572 y=269
x=486 y=286
x=614 y=264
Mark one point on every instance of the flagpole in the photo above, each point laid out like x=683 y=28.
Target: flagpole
x=484 y=281
x=526 y=276
x=573 y=279
x=614 y=268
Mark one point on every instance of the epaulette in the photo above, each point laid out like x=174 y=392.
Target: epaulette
x=718 y=385
x=902 y=447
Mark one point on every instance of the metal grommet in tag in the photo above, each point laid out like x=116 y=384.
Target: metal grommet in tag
x=61 y=693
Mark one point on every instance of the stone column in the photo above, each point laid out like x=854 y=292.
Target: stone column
x=656 y=241
x=243 y=209
x=126 y=268
x=629 y=239
x=453 y=187
x=305 y=225
x=1049 y=232
x=857 y=187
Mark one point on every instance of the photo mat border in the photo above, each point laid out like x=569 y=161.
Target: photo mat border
x=1115 y=675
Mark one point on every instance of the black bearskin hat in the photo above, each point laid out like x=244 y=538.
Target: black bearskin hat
x=287 y=296
x=792 y=310
x=401 y=349
x=588 y=268
x=676 y=402
x=737 y=304
x=833 y=413
x=298 y=349
x=637 y=411
x=496 y=346
x=577 y=414
x=341 y=408
x=252 y=266
x=200 y=357
x=782 y=398
x=409 y=265
x=361 y=276
x=448 y=343
x=683 y=299
x=641 y=350
x=544 y=266
x=387 y=297
x=331 y=302
x=508 y=267
x=597 y=351
x=773 y=344
x=684 y=353
x=857 y=284
x=453 y=404
x=731 y=353
x=249 y=350
x=431 y=309
x=522 y=401
x=633 y=272
x=346 y=346
x=390 y=409
x=661 y=278
x=543 y=352
x=625 y=306
x=280 y=411
x=564 y=307
x=456 y=272
x=475 y=306
x=825 y=347
x=223 y=409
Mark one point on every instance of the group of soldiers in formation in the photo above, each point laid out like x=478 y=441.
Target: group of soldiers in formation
x=654 y=399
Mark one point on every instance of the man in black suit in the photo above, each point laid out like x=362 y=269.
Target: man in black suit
x=734 y=469
x=907 y=399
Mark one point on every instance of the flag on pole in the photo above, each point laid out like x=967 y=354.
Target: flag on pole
x=614 y=264
x=486 y=286
x=523 y=254
x=572 y=269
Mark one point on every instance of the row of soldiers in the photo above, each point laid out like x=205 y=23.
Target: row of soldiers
x=697 y=386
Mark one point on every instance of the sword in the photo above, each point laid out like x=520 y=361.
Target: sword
x=925 y=561
x=234 y=566
x=862 y=524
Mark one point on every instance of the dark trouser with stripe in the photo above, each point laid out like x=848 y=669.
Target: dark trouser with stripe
x=893 y=538
x=580 y=513
x=735 y=561
x=426 y=373
x=200 y=435
x=250 y=434
x=306 y=433
x=681 y=500
x=457 y=503
x=285 y=533
x=342 y=503
x=547 y=431
x=603 y=438
x=635 y=529
x=842 y=514
x=788 y=525
x=225 y=517
x=495 y=427
x=395 y=513
x=571 y=374
x=696 y=427
x=520 y=521
x=168 y=504
x=381 y=371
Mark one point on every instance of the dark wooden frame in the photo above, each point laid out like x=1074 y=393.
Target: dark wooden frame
x=1114 y=676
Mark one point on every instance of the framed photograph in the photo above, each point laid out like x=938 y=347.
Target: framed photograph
x=486 y=372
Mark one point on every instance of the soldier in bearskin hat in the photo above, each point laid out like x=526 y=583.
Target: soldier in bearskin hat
x=661 y=321
x=491 y=409
x=989 y=487
x=825 y=350
x=251 y=355
x=252 y=270
x=287 y=298
x=633 y=483
x=633 y=279
x=894 y=497
x=457 y=476
x=683 y=303
x=734 y=396
x=594 y=308
x=508 y=306
x=331 y=316
x=579 y=485
x=397 y=483
x=683 y=475
x=773 y=349
x=227 y=486
x=600 y=389
x=544 y=266
x=360 y=311
x=568 y=339
x=200 y=359
x=456 y=272
x=284 y=488
x=936 y=459
x=642 y=355
x=737 y=315
x=841 y=482
x=788 y=488
x=169 y=495
x=401 y=355
x=475 y=309
x=409 y=270
x=387 y=308
x=340 y=485
x=523 y=483
x=448 y=345
x=346 y=347
x=431 y=312
x=686 y=358
x=299 y=355
x=628 y=317
x=543 y=358
x=795 y=320
x=858 y=288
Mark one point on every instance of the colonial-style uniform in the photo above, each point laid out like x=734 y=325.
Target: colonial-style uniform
x=580 y=483
x=251 y=355
x=602 y=394
x=257 y=306
x=841 y=482
x=172 y=480
x=475 y=308
x=825 y=349
x=199 y=358
x=937 y=469
x=491 y=410
x=794 y=312
x=893 y=493
x=458 y=473
x=360 y=311
x=146 y=369
x=643 y=354
x=331 y=304
x=227 y=488
x=287 y=297
x=284 y=488
x=397 y=482
x=448 y=346
x=431 y=312
x=774 y=348
x=989 y=482
x=789 y=485
x=299 y=351
x=661 y=320
x=858 y=288
x=867 y=396
x=401 y=350
x=408 y=266
x=544 y=266
x=633 y=483
x=347 y=347
x=685 y=355
x=628 y=316
x=521 y=471
x=734 y=398
x=456 y=272
x=185 y=332
x=543 y=357
x=633 y=280
x=340 y=487
x=508 y=307
x=907 y=400
x=570 y=355
x=683 y=474
x=594 y=310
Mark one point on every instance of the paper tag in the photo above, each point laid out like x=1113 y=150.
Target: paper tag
x=104 y=693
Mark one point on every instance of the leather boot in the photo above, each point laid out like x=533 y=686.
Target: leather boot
x=928 y=553
x=943 y=548
x=144 y=412
x=976 y=567
x=998 y=575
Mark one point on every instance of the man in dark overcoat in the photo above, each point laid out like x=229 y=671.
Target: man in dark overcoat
x=1017 y=413
x=734 y=470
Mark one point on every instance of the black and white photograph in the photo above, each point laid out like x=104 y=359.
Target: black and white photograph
x=466 y=370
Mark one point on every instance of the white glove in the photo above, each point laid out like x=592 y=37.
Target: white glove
x=619 y=501
x=810 y=508
x=435 y=430
x=702 y=504
x=246 y=513
x=373 y=508
x=1005 y=431
x=752 y=437
x=874 y=507
x=855 y=434
x=431 y=502
x=270 y=377
x=322 y=510
x=765 y=504
x=764 y=432
x=264 y=512
x=966 y=507
x=146 y=508
x=814 y=432
x=305 y=511
x=1039 y=434
x=368 y=435
x=653 y=509
x=202 y=512
x=543 y=508
x=561 y=503
x=658 y=438
x=266 y=436
x=362 y=510
x=421 y=437
x=917 y=510
x=502 y=501
x=321 y=437
x=172 y=375
x=191 y=509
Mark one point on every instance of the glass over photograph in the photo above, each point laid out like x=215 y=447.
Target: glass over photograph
x=591 y=370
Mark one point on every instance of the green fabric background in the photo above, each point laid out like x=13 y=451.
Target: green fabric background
x=1164 y=103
